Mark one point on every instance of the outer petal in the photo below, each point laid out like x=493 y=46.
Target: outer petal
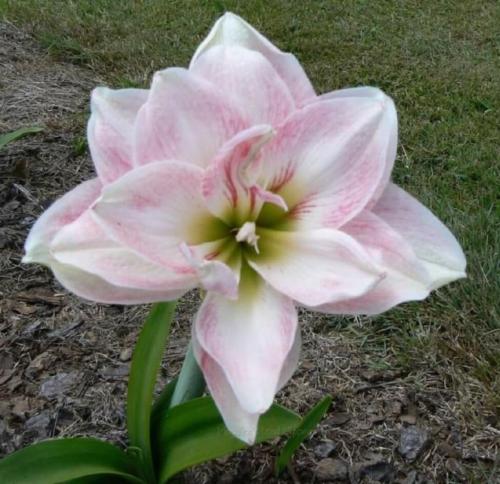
x=406 y=276
x=110 y=129
x=249 y=79
x=93 y=288
x=249 y=339
x=231 y=30
x=185 y=118
x=154 y=208
x=62 y=212
x=328 y=160
x=239 y=422
x=391 y=127
x=83 y=244
x=433 y=243
x=317 y=267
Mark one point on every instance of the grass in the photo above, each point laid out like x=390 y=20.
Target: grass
x=439 y=60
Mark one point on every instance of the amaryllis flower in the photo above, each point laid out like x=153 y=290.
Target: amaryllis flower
x=234 y=176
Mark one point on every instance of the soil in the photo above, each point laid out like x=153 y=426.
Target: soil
x=64 y=362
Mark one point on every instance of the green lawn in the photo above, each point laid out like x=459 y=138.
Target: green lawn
x=438 y=59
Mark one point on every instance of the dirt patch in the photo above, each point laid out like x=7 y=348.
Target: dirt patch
x=64 y=362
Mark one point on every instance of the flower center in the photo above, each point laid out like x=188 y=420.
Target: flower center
x=246 y=233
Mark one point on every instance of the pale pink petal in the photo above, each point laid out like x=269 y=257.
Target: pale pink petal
x=185 y=118
x=433 y=243
x=362 y=91
x=238 y=421
x=228 y=184
x=110 y=129
x=154 y=208
x=390 y=125
x=249 y=339
x=328 y=160
x=406 y=278
x=93 y=288
x=62 y=212
x=231 y=30
x=83 y=244
x=315 y=267
x=291 y=362
x=214 y=275
x=249 y=80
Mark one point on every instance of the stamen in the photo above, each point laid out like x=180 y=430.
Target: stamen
x=247 y=234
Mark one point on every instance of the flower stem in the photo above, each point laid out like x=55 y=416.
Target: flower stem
x=190 y=383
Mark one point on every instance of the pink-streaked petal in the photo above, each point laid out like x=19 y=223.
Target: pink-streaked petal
x=84 y=245
x=390 y=124
x=228 y=185
x=110 y=129
x=406 y=278
x=154 y=208
x=431 y=240
x=249 y=338
x=238 y=421
x=231 y=30
x=185 y=118
x=315 y=267
x=247 y=78
x=328 y=160
x=93 y=288
x=62 y=212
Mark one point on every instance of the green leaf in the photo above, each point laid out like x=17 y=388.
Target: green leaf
x=62 y=460
x=162 y=403
x=193 y=432
x=18 y=133
x=143 y=371
x=309 y=423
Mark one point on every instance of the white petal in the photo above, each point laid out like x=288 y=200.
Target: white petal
x=249 y=339
x=93 y=288
x=248 y=78
x=231 y=30
x=315 y=267
x=406 y=278
x=328 y=160
x=110 y=130
x=228 y=186
x=390 y=126
x=62 y=212
x=433 y=243
x=154 y=208
x=83 y=244
x=238 y=421
x=185 y=118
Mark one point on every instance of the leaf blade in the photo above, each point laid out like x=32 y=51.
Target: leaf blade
x=18 y=133
x=143 y=371
x=63 y=460
x=194 y=432
x=308 y=424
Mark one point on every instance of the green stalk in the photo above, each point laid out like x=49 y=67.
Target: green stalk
x=190 y=382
